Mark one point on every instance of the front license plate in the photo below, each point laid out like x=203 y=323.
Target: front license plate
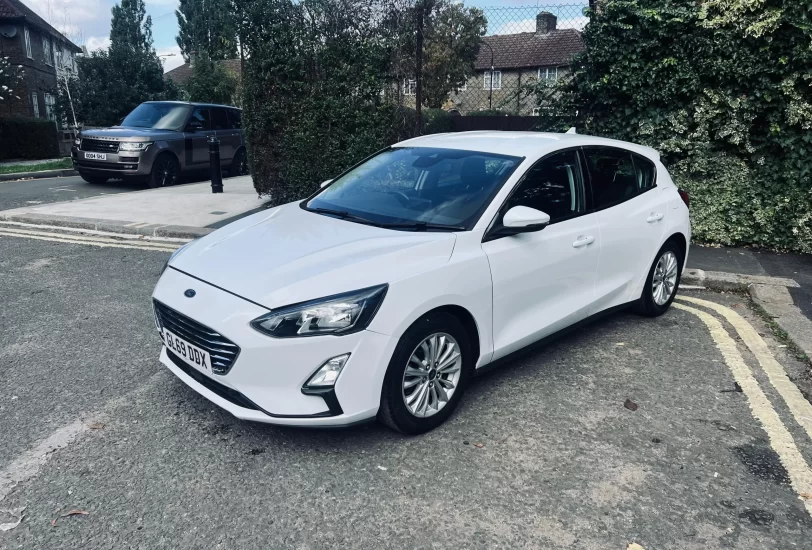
x=96 y=156
x=193 y=355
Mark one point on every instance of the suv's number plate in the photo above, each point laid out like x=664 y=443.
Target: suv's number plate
x=190 y=353
x=96 y=156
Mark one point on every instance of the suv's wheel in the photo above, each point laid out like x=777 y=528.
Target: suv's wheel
x=427 y=375
x=239 y=165
x=662 y=282
x=165 y=171
x=96 y=180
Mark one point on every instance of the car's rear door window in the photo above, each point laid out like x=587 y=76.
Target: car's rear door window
x=235 y=118
x=646 y=172
x=219 y=119
x=554 y=185
x=613 y=176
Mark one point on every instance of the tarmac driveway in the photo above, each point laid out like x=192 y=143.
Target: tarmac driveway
x=541 y=453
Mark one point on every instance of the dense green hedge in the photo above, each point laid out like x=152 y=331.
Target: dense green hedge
x=722 y=89
x=28 y=138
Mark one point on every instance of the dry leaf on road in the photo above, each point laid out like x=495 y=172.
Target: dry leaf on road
x=634 y=546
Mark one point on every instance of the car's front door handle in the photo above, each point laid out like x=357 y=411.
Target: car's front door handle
x=583 y=241
x=654 y=218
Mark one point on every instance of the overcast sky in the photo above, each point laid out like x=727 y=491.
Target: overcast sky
x=87 y=22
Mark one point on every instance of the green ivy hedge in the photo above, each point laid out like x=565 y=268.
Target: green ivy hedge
x=28 y=138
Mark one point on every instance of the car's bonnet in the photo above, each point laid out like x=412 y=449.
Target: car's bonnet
x=289 y=255
x=135 y=134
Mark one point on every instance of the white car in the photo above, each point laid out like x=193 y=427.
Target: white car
x=382 y=294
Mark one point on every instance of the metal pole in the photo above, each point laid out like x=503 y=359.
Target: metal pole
x=214 y=162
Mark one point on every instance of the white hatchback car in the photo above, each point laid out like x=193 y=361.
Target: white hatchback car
x=388 y=289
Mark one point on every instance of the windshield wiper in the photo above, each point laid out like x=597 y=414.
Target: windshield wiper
x=343 y=214
x=422 y=226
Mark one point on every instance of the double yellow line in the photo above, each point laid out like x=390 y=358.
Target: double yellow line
x=780 y=438
x=132 y=242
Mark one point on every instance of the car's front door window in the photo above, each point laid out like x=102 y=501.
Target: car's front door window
x=554 y=186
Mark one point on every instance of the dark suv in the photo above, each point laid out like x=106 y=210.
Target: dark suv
x=161 y=140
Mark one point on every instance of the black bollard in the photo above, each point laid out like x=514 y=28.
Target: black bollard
x=214 y=162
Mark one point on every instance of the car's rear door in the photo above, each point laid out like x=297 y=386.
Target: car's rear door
x=229 y=137
x=544 y=281
x=631 y=213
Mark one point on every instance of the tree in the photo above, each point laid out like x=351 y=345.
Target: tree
x=207 y=27
x=110 y=84
x=211 y=82
x=10 y=76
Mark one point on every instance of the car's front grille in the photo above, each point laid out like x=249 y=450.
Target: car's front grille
x=222 y=350
x=99 y=146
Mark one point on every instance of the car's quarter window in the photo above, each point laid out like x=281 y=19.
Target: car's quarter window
x=201 y=119
x=553 y=185
x=612 y=174
x=418 y=185
x=219 y=119
x=646 y=172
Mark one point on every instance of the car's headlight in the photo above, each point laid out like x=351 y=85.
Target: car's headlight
x=77 y=142
x=175 y=255
x=134 y=145
x=339 y=314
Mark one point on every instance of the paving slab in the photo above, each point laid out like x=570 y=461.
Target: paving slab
x=180 y=211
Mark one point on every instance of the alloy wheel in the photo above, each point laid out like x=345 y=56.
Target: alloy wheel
x=664 y=280
x=167 y=172
x=432 y=375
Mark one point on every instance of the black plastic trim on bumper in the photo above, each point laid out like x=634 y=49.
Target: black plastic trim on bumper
x=329 y=396
x=236 y=398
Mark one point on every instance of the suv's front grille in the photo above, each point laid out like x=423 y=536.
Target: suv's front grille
x=222 y=350
x=99 y=146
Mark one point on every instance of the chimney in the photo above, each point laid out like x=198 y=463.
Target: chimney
x=192 y=58
x=545 y=22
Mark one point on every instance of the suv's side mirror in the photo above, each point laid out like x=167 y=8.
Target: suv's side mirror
x=195 y=126
x=522 y=219
x=325 y=184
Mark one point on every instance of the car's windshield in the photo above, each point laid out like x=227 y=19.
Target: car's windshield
x=441 y=187
x=158 y=116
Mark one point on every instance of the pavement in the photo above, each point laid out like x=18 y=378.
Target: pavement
x=103 y=448
x=189 y=210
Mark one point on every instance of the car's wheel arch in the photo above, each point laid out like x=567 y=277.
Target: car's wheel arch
x=468 y=320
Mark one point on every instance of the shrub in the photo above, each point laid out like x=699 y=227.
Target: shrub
x=437 y=121
x=488 y=112
x=28 y=138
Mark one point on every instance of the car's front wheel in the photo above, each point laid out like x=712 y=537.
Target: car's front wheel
x=662 y=282
x=427 y=375
x=165 y=171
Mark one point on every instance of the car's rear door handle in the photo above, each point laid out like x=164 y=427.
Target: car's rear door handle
x=583 y=241
x=654 y=218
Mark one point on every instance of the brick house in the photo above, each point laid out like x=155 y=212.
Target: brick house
x=518 y=59
x=45 y=55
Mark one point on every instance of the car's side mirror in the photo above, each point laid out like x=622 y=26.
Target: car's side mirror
x=195 y=126
x=522 y=219
x=325 y=183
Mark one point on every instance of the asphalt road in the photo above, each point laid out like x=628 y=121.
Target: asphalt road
x=17 y=194
x=540 y=454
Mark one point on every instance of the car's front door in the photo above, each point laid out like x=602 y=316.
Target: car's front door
x=544 y=281
x=197 y=134
x=631 y=214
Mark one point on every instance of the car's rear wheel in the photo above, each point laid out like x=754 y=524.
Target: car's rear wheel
x=662 y=282
x=95 y=180
x=427 y=374
x=165 y=171
x=239 y=165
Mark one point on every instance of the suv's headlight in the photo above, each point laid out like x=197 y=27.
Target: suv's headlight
x=134 y=145
x=340 y=314
x=77 y=142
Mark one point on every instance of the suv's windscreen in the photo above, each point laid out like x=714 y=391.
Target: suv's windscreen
x=418 y=187
x=158 y=116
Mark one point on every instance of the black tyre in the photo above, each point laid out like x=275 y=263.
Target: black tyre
x=95 y=180
x=428 y=373
x=662 y=282
x=239 y=165
x=165 y=171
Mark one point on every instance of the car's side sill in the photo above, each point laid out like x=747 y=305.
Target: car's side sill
x=548 y=339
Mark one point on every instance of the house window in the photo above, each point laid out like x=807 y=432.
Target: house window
x=50 y=107
x=57 y=56
x=497 y=80
x=409 y=86
x=27 y=43
x=35 y=101
x=548 y=74
x=46 y=50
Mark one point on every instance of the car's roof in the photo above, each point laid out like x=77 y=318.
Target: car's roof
x=196 y=104
x=521 y=144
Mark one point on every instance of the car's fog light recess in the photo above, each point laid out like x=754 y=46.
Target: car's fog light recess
x=328 y=373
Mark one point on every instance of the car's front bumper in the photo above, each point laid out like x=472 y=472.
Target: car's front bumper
x=123 y=164
x=265 y=381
